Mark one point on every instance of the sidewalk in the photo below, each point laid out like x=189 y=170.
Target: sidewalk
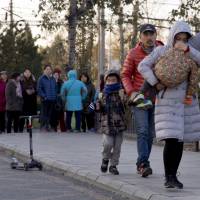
x=79 y=155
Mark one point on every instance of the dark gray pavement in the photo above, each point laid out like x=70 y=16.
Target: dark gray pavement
x=46 y=185
x=79 y=155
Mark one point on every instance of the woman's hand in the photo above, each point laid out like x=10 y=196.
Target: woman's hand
x=159 y=86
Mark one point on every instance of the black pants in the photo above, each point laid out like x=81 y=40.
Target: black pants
x=172 y=155
x=77 y=117
x=13 y=116
x=2 y=121
x=22 y=122
x=87 y=120
x=46 y=113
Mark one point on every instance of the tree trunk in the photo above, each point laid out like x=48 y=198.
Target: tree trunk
x=82 y=46
x=121 y=33
x=72 y=20
x=102 y=42
x=135 y=23
x=90 y=45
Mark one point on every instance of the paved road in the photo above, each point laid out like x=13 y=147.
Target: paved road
x=80 y=156
x=45 y=185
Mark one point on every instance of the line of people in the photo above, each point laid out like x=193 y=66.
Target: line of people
x=19 y=96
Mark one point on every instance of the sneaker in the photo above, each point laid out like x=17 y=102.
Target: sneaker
x=104 y=165
x=77 y=131
x=139 y=98
x=44 y=130
x=146 y=104
x=69 y=130
x=144 y=171
x=113 y=170
x=171 y=181
x=92 y=130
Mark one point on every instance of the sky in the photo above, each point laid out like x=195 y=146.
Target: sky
x=27 y=9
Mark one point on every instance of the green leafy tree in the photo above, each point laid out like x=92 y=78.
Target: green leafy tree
x=18 y=50
x=57 y=12
x=189 y=11
x=56 y=53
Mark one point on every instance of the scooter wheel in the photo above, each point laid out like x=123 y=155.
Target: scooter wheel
x=25 y=167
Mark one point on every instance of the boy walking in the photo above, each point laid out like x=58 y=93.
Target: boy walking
x=111 y=107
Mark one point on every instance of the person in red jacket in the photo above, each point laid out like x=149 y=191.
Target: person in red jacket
x=3 y=80
x=132 y=81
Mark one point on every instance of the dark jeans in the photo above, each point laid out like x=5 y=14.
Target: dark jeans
x=2 y=121
x=63 y=126
x=172 y=155
x=77 y=117
x=46 y=113
x=13 y=116
x=87 y=120
x=145 y=130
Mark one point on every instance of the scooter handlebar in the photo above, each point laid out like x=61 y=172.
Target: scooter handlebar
x=29 y=116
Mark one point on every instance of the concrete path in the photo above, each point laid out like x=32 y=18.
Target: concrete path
x=79 y=155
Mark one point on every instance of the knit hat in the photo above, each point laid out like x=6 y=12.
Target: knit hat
x=112 y=72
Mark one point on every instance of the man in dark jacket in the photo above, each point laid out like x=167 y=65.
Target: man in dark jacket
x=47 y=91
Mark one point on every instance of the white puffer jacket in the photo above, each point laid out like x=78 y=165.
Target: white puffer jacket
x=173 y=119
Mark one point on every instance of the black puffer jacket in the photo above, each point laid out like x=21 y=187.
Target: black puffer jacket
x=90 y=96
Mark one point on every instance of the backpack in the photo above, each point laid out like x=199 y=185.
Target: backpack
x=174 y=67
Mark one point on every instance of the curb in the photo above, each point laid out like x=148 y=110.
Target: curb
x=122 y=189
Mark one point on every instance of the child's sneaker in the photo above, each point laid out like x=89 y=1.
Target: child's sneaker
x=139 y=98
x=146 y=104
x=104 y=166
x=113 y=170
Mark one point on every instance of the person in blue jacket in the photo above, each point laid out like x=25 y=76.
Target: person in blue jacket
x=47 y=91
x=73 y=92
